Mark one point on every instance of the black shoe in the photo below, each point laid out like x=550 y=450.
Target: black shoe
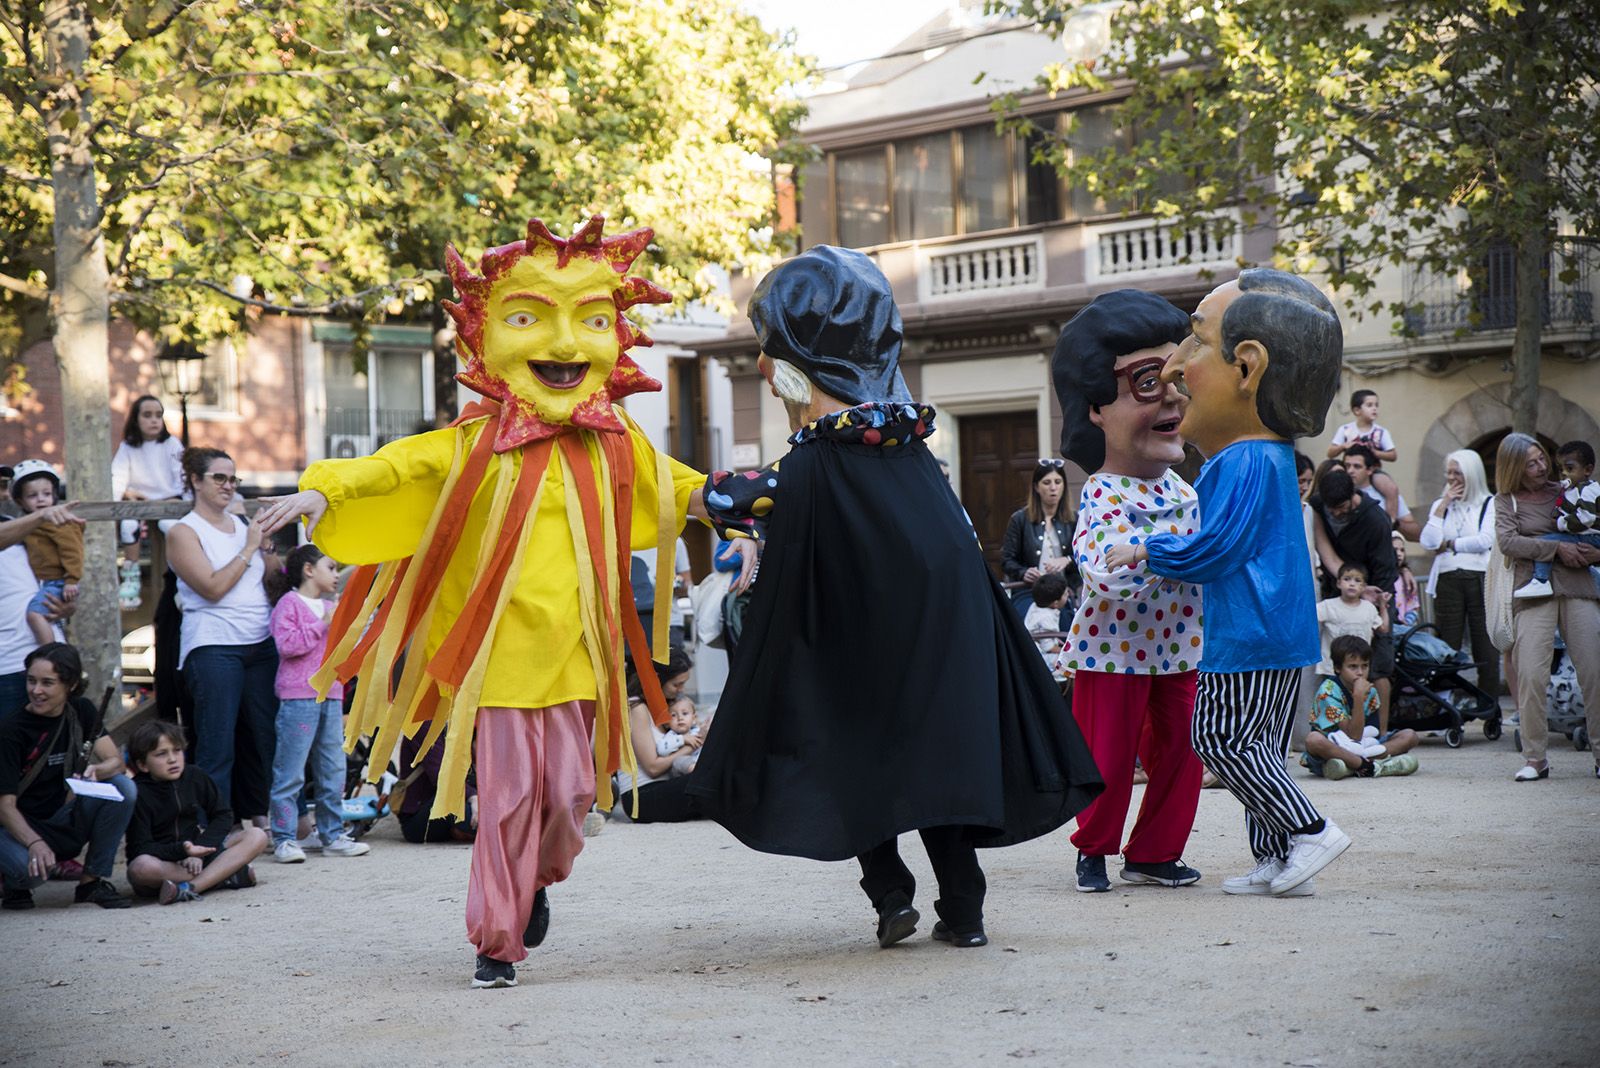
x=1167 y=873
x=538 y=921
x=897 y=920
x=1092 y=875
x=493 y=973
x=17 y=900
x=243 y=879
x=102 y=893
x=959 y=939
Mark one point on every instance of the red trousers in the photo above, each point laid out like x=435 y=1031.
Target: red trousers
x=535 y=784
x=1148 y=716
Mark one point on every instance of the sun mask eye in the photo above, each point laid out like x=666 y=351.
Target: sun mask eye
x=599 y=321
x=521 y=319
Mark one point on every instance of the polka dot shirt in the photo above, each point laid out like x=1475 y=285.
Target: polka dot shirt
x=1133 y=621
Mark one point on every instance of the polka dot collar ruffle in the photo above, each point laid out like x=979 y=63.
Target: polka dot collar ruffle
x=873 y=423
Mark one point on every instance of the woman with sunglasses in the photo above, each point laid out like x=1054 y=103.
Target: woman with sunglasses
x=226 y=652
x=1039 y=536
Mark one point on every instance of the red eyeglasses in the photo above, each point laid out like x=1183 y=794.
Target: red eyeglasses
x=1144 y=379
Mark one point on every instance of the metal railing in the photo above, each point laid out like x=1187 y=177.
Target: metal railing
x=1484 y=297
x=360 y=431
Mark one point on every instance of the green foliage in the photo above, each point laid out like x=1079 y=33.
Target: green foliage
x=330 y=150
x=1368 y=133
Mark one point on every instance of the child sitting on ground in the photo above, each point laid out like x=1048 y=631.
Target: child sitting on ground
x=1050 y=594
x=179 y=845
x=1353 y=612
x=1407 y=599
x=1577 y=514
x=1364 y=429
x=1345 y=709
x=682 y=725
x=55 y=552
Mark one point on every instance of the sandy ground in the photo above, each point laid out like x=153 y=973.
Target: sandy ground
x=1461 y=929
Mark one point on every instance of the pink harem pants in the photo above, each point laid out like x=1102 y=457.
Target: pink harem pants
x=535 y=774
x=1123 y=716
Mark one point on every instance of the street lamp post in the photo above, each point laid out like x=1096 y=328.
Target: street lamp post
x=179 y=364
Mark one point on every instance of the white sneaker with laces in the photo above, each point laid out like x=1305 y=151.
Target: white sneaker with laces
x=1257 y=880
x=1309 y=854
x=1534 y=588
x=345 y=846
x=286 y=852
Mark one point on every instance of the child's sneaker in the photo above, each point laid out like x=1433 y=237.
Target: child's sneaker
x=243 y=879
x=344 y=846
x=1404 y=764
x=593 y=823
x=172 y=893
x=1534 y=588
x=286 y=852
x=1335 y=770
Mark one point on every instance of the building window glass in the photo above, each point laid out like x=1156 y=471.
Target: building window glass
x=816 y=208
x=1041 y=185
x=219 y=381
x=924 y=189
x=862 y=187
x=1094 y=130
x=985 y=179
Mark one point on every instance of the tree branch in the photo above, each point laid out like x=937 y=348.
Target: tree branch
x=343 y=307
x=25 y=288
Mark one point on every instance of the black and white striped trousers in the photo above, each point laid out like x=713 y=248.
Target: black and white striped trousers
x=1241 y=728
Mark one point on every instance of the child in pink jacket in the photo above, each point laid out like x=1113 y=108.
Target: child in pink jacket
x=307 y=727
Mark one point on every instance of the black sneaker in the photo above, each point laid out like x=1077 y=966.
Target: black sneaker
x=1167 y=873
x=960 y=939
x=1092 y=875
x=538 y=920
x=897 y=920
x=17 y=900
x=243 y=879
x=102 y=893
x=493 y=973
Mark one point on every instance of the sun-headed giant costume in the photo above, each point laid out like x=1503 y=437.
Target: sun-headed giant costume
x=493 y=596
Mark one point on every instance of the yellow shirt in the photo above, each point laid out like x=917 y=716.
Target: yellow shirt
x=378 y=508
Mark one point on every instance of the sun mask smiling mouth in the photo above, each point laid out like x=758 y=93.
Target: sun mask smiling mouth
x=559 y=375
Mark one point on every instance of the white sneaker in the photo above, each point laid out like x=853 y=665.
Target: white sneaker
x=286 y=852
x=593 y=823
x=310 y=842
x=1534 y=588
x=1309 y=854
x=345 y=846
x=1257 y=880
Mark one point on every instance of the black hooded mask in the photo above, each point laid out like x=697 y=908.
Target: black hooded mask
x=1084 y=363
x=830 y=312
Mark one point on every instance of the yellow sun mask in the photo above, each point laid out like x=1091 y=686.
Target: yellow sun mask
x=541 y=330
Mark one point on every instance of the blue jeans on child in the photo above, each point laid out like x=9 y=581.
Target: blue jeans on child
x=99 y=824
x=1541 y=568
x=56 y=588
x=315 y=729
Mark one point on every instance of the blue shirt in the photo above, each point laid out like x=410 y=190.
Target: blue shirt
x=1250 y=556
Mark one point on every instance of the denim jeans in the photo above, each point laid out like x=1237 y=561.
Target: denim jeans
x=82 y=820
x=1541 y=568
x=234 y=712
x=315 y=729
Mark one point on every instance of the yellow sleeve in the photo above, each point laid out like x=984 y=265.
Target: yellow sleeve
x=646 y=490
x=379 y=505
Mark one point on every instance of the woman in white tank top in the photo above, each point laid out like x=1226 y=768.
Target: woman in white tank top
x=227 y=655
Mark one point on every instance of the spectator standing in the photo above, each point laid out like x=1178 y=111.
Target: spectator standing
x=55 y=737
x=55 y=550
x=1363 y=429
x=226 y=652
x=1525 y=510
x=1578 y=520
x=1460 y=533
x=1361 y=461
x=147 y=466
x=1352 y=528
x=307 y=725
x=1038 y=537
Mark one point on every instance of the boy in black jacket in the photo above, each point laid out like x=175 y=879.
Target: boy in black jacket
x=178 y=842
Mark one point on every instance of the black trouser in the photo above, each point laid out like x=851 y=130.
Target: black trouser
x=1458 y=613
x=663 y=801
x=955 y=866
x=418 y=828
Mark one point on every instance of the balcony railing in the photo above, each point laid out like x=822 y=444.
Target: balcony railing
x=360 y=431
x=1147 y=246
x=983 y=267
x=1484 y=297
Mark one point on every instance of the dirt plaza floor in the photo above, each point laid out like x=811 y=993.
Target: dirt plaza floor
x=1462 y=928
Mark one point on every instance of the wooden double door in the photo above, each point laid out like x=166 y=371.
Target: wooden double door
x=998 y=455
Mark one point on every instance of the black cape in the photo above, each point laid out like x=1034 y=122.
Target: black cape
x=883 y=682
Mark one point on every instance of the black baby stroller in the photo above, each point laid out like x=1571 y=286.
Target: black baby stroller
x=1429 y=692
x=1563 y=700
